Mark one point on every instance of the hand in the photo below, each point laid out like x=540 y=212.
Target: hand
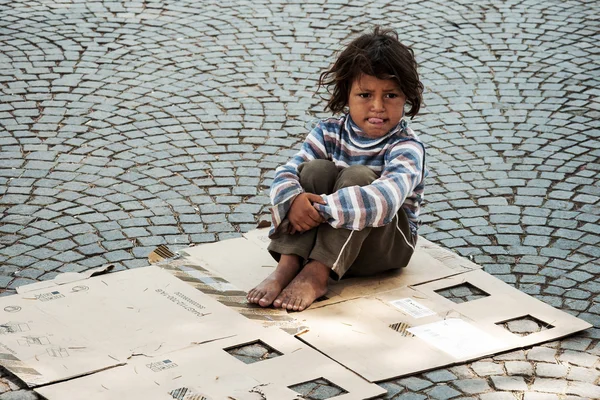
x=302 y=214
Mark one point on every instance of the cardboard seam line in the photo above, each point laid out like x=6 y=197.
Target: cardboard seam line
x=231 y=297
x=299 y=337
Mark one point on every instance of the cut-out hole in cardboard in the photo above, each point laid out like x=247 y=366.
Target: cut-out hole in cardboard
x=318 y=389
x=462 y=293
x=401 y=328
x=253 y=352
x=524 y=326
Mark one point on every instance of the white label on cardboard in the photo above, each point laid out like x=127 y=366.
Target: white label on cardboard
x=412 y=308
x=457 y=338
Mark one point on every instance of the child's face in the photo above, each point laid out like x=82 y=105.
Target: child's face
x=376 y=105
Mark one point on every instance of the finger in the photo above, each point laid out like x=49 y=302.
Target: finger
x=304 y=227
x=315 y=198
x=312 y=223
x=295 y=229
x=301 y=226
x=315 y=216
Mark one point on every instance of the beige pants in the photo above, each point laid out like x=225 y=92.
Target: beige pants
x=347 y=252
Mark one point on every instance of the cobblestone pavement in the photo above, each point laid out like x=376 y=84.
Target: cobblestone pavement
x=125 y=125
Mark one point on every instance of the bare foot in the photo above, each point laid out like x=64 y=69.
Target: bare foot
x=267 y=290
x=307 y=286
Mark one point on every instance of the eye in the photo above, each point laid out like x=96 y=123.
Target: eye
x=363 y=95
x=392 y=95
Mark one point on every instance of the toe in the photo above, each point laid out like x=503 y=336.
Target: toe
x=301 y=305
x=297 y=304
x=257 y=295
x=290 y=304
x=278 y=302
x=266 y=300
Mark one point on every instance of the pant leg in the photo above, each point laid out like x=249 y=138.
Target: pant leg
x=368 y=251
x=338 y=248
x=316 y=176
x=387 y=247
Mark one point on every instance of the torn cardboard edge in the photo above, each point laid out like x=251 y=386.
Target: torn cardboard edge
x=64 y=278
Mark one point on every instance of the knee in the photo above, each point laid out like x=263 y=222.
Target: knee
x=355 y=175
x=318 y=166
x=318 y=176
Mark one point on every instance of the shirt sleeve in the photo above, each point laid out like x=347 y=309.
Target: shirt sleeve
x=358 y=207
x=286 y=183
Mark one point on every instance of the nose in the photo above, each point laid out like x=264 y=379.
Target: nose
x=377 y=104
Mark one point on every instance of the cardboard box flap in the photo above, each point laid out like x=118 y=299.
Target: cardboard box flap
x=64 y=278
x=376 y=344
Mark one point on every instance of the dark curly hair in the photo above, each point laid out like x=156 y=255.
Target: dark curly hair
x=379 y=54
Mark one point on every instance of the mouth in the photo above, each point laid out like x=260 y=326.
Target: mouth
x=376 y=121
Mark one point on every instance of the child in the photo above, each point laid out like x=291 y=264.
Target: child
x=347 y=203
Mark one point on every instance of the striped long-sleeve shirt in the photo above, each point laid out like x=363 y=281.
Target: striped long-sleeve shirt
x=398 y=158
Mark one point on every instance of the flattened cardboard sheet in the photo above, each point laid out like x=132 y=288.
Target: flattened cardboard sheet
x=150 y=328
x=208 y=370
x=385 y=338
